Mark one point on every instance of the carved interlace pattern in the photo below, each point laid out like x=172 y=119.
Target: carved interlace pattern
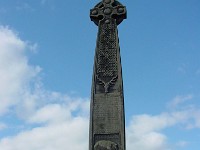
x=107 y=67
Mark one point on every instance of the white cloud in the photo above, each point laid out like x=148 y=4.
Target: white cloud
x=57 y=113
x=15 y=72
x=71 y=135
x=62 y=125
x=142 y=124
x=148 y=141
x=62 y=121
x=145 y=132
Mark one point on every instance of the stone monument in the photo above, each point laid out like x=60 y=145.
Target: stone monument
x=107 y=118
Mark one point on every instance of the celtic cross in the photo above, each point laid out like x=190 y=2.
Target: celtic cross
x=107 y=125
x=107 y=10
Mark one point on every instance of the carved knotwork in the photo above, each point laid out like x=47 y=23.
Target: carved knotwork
x=107 y=57
x=107 y=84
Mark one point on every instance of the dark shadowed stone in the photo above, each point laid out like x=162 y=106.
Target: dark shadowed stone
x=94 y=12
x=120 y=10
x=107 y=11
x=107 y=1
x=107 y=21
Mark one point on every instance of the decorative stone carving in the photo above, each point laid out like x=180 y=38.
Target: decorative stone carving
x=107 y=67
x=108 y=9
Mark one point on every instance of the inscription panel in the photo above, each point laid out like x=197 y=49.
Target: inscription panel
x=106 y=114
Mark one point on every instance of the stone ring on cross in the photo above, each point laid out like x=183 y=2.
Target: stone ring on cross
x=108 y=9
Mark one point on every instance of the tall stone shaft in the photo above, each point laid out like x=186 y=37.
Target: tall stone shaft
x=107 y=118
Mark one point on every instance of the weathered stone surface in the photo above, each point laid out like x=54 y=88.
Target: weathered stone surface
x=105 y=145
x=107 y=127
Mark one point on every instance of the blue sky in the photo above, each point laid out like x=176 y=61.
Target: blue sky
x=46 y=60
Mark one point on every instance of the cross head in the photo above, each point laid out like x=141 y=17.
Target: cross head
x=106 y=10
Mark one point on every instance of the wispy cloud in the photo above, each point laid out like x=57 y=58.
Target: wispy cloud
x=49 y=3
x=43 y=2
x=178 y=100
x=24 y=6
x=145 y=132
x=183 y=68
x=182 y=144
